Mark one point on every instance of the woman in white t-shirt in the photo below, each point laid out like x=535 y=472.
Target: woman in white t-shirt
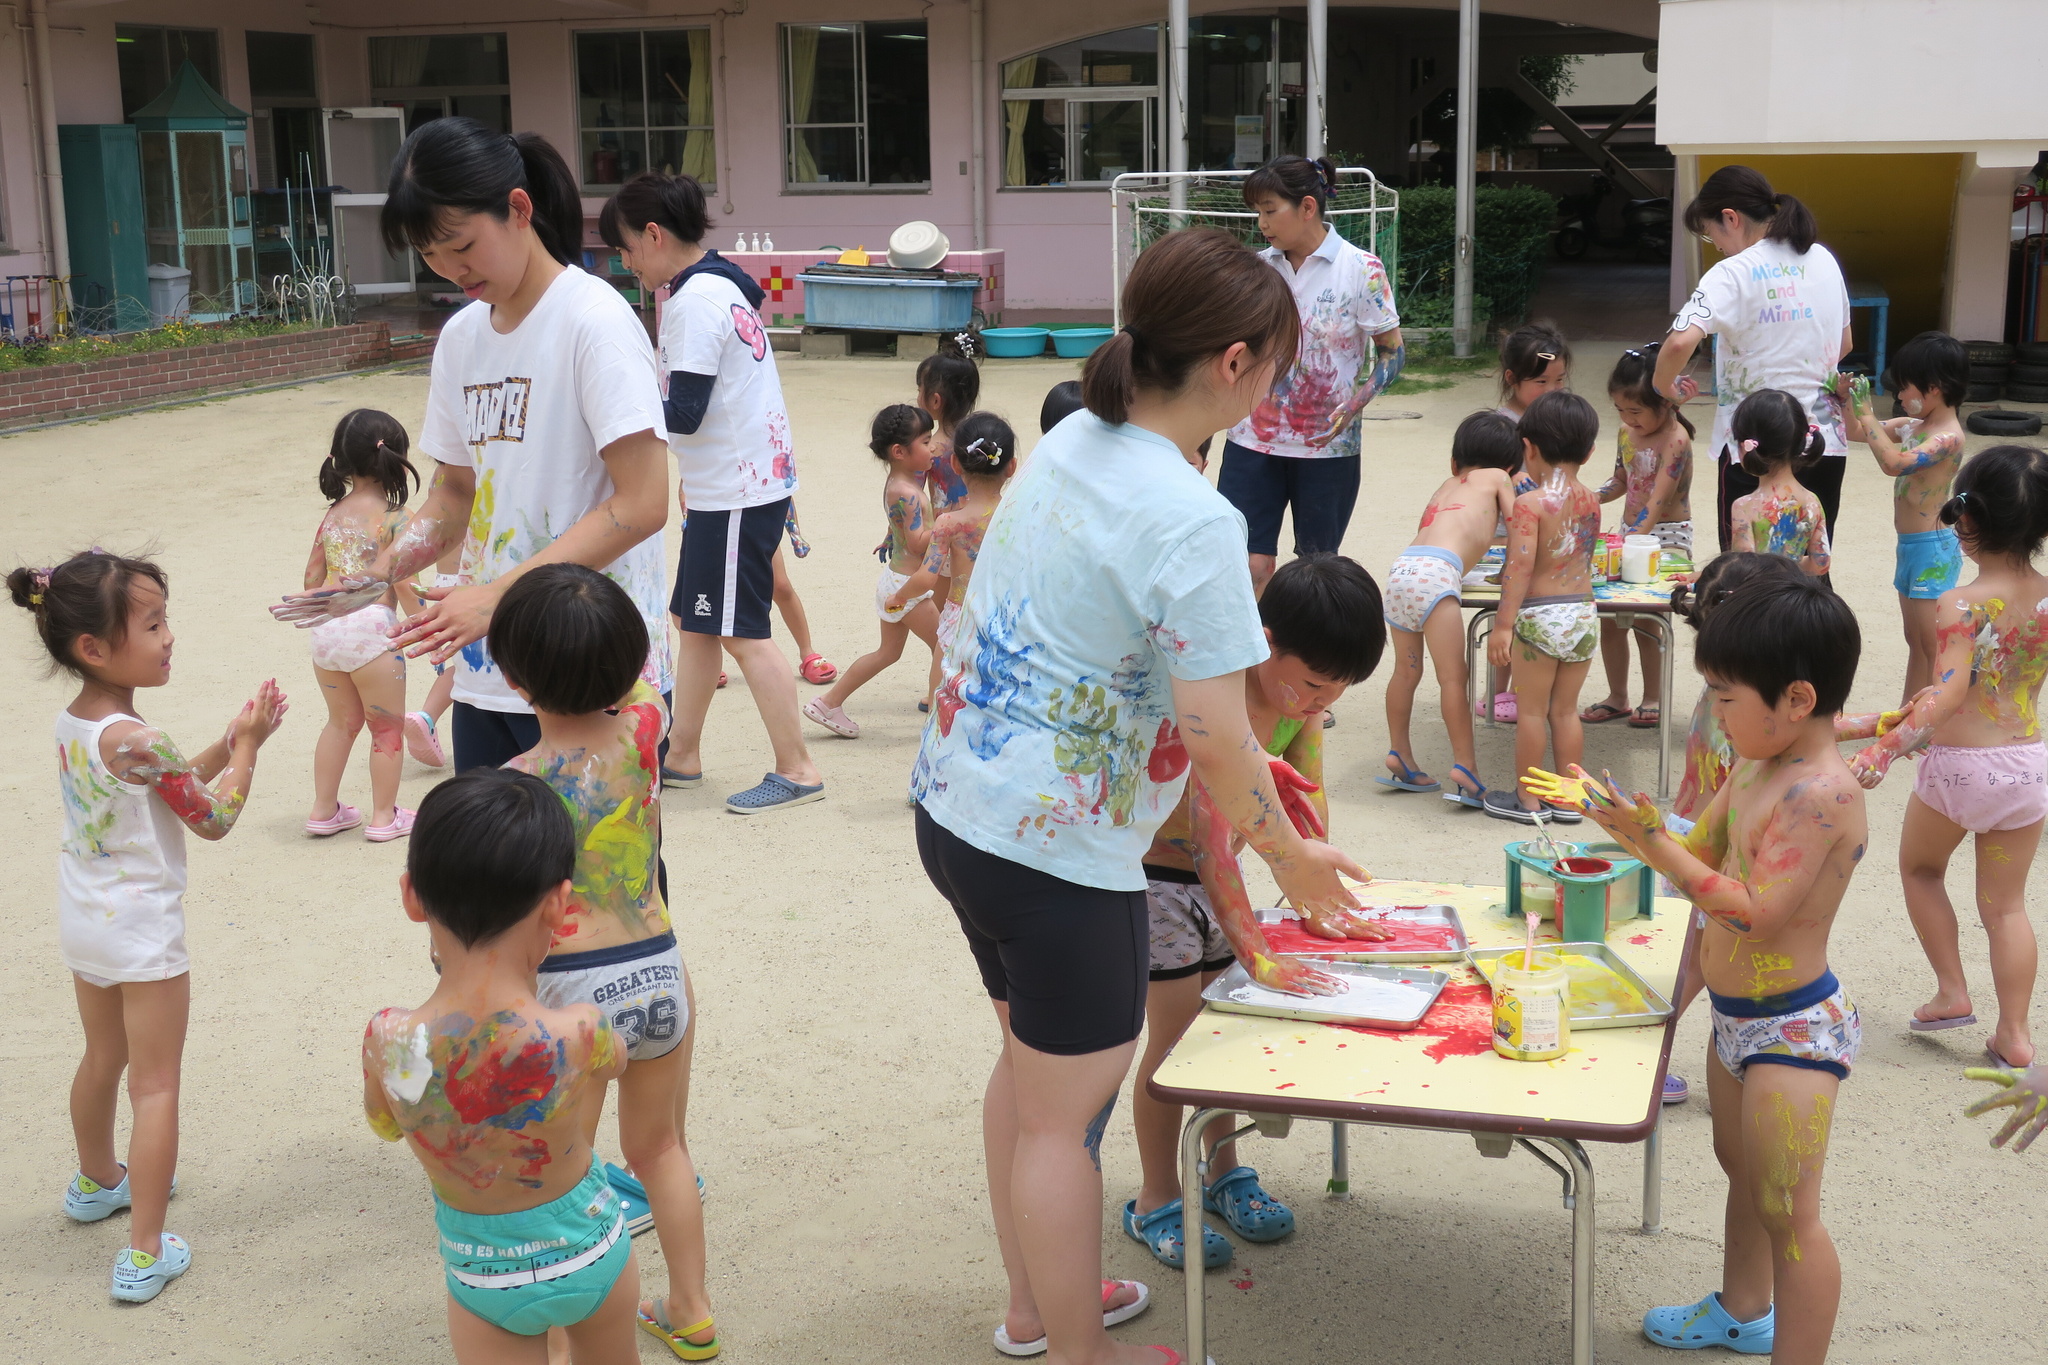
x=723 y=411
x=543 y=418
x=1780 y=310
x=1100 y=655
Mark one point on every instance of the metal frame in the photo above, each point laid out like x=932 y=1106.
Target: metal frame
x=1127 y=189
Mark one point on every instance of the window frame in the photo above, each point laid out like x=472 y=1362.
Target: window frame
x=599 y=187
x=1150 y=96
x=162 y=35
x=405 y=96
x=790 y=127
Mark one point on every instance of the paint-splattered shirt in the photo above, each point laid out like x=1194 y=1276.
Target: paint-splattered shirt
x=1110 y=568
x=529 y=410
x=1345 y=300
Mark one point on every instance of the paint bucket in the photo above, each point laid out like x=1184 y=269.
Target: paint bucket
x=1583 y=867
x=1539 y=896
x=1530 y=1019
x=1639 y=559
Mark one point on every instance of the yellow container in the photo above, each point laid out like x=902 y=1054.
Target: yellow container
x=1531 y=1022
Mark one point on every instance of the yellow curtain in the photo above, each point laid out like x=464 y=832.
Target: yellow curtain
x=803 y=75
x=1016 y=113
x=700 y=160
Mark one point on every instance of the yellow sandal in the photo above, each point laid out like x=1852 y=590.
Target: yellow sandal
x=656 y=1325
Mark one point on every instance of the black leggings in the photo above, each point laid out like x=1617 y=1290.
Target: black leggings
x=1071 y=961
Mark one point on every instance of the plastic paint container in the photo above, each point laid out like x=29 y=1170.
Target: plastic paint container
x=1639 y=559
x=1539 y=896
x=1531 y=1022
x=1584 y=867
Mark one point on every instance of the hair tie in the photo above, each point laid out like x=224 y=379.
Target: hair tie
x=1132 y=333
x=974 y=446
x=41 y=579
x=1812 y=430
x=965 y=341
x=1748 y=447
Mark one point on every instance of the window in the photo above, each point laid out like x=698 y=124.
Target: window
x=858 y=109
x=149 y=56
x=285 y=94
x=643 y=102
x=1105 y=126
x=1245 y=92
x=440 y=74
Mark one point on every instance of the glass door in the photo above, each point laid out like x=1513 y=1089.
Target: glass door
x=1111 y=137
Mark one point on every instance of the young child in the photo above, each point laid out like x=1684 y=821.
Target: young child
x=1782 y=517
x=1769 y=864
x=986 y=452
x=129 y=796
x=495 y=1091
x=1921 y=451
x=812 y=666
x=1546 y=595
x=1984 y=770
x=1534 y=360
x=1322 y=615
x=1062 y=401
x=948 y=383
x=1422 y=598
x=1653 y=476
x=422 y=727
x=572 y=644
x=366 y=479
x=902 y=438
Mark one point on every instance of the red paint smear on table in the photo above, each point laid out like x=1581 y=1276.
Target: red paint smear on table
x=1640 y=940
x=1288 y=936
x=1461 y=1021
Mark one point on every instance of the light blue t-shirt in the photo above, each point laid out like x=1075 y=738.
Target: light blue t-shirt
x=1109 y=568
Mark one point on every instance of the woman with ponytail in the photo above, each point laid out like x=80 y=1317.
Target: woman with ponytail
x=1100 y=654
x=543 y=419
x=1778 y=305
x=1299 y=447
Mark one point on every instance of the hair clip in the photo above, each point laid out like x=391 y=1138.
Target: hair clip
x=974 y=447
x=1632 y=351
x=1812 y=430
x=1748 y=447
x=965 y=340
x=1546 y=356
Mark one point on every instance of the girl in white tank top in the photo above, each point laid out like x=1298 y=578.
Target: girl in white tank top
x=129 y=796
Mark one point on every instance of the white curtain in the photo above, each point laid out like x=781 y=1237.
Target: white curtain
x=699 y=156
x=803 y=75
x=397 y=63
x=1016 y=113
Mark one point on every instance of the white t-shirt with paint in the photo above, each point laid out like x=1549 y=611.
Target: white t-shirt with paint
x=741 y=455
x=1778 y=317
x=529 y=410
x=1109 y=569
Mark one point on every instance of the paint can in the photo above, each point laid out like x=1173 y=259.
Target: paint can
x=1530 y=1019
x=1639 y=559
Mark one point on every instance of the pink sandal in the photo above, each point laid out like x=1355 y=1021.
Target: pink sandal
x=816 y=668
x=1504 y=708
x=1111 y=1317
x=400 y=826
x=422 y=742
x=833 y=718
x=345 y=817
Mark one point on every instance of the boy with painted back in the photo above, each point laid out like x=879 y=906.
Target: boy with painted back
x=489 y=1087
x=1422 y=598
x=1768 y=864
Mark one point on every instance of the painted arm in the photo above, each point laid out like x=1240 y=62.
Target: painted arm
x=316 y=562
x=1741 y=530
x=1515 y=576
x=1875 y=724
x=145 y=756
x=1954 y=641
x=1299 y=775
x=1672 y=357
x=1817 y=557
x=910 y=521
x=1390 y=355
x=2026 y=1093
x=1673 y=469
x=431 y=532
x=1892 y=458
x=928 y=578
x=637 y=509
x=1617 y=482
x=376 y=1107
x=1215 y=862
x=1231 y=764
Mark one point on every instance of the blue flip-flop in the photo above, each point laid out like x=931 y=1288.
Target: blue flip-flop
x=1163 y=1232
x=1244 y=1204
x=773 y=792
x=1411 y=779
x=1458 y=796
x=1695 y=1326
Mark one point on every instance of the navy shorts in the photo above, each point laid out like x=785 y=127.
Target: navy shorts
x=725 y=580
x=1321 y=492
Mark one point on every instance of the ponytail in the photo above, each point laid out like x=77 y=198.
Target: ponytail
x=456 y=165
x=1771 y=430
x=1294 y=178
x=1191 y=296
x=1747 y=192
x=369 y=445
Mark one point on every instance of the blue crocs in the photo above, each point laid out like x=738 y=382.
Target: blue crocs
x=88 y=1201
x=140 y=1277
x=1163 y=1233
x=773 y=792
x=1252 y=1213
x=1694 y=1327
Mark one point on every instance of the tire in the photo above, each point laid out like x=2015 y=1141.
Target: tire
x=1988 y=352
x=1990 y=374
x=2026 y=393
x=2001 y=422
x=2036 y=375
x=2033 y=352
x=1982 y=393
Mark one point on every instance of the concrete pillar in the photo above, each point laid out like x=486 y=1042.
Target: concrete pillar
x=1317 y=77
x=977 y=56
x=1685 y=246
x=1177 y=97
x=1468 y=133
x=1973 y=293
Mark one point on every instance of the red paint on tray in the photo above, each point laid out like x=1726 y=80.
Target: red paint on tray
x=1289 y=936
x=1461 y=1021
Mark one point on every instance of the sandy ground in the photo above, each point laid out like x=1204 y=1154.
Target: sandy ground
x=843 y=1041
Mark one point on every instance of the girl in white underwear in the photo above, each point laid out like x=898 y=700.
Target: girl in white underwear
x=366 y=478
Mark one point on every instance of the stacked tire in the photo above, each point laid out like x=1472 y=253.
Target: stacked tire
x=2028 y=381
x=2015 y=373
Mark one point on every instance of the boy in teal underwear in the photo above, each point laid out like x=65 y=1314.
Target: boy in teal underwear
x=488 y=1087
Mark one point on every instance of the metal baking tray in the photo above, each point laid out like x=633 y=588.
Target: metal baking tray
x=1586 y=1011
x=1291 y=938
x=1382 y=996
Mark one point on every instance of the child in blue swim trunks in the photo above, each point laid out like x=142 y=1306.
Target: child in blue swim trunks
x=488 y=1087
x=1922 y=451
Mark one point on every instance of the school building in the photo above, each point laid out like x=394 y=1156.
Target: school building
x=818 y=122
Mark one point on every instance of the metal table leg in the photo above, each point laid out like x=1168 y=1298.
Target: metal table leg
x=1475 y=657
x=1340 y=1161
x=1653 y=1176
x=1191 y=1172
x=1578 y=1197
x=1669 y=638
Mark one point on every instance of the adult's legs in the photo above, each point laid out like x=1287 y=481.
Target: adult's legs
x=2003 y=859
x=153 y=1014
x=697 y=669
x=491 y=739
x=1735 y=482
x=1927 y=841
x=380 y=686
x=1259 y=487
x=1824 y=481
x=1321 y=495
x=337 y=738
x=96 y=1085
x=774 y=689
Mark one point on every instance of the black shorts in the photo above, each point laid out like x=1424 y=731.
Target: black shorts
x=725 y=580
x=1322 y=493
x=1071 y=961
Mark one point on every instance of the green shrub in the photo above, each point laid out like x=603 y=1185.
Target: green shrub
x=172 y=335
x=1510 y=239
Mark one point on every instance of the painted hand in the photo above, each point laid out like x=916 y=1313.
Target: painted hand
x=261 y=714
x=1312 y=882
x=1294 y=794
x=324 y=604
x=1498 y=646
x=1293 y=975
x=1340 y=418
x=1870 y=764
x=1345 y=924
x=2025 y=1092
x=457 y=617
x=1685 y=388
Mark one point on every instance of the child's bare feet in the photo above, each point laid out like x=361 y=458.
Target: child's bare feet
x=1944 y=1011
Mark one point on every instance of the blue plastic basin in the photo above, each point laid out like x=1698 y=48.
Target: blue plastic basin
x=1015 y=343
x=1076 y=342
